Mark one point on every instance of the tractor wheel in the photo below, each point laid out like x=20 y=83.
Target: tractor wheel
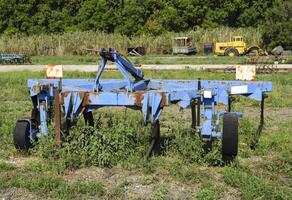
x=230 y=135
x=231 y=52
x=21 y=135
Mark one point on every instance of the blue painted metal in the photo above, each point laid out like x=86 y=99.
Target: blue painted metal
x=43 y=118
x=148 y=96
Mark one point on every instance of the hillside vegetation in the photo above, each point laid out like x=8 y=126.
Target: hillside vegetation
x=136 y=18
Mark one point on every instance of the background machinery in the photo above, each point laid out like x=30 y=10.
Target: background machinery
x=183 y=45
x=14 y=59
x=235 y=47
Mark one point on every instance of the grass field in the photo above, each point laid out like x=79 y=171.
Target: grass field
x=149 y=59
x=86 y=168
x=155 y=59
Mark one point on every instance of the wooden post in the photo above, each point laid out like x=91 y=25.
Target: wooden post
x=56 y=72
x=57 y=117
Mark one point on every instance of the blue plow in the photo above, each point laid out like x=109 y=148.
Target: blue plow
x=79 y=97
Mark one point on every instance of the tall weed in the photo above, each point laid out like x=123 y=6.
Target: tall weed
x=72 y=43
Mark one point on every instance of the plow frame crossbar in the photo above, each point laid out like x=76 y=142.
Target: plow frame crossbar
x=81 y=96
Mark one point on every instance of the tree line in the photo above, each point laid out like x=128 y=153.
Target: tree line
x=150 y=17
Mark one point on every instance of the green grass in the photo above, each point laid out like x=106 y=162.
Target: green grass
x=147 y=179
x=210 y=191
x=152 y=59
x=212 y=59
x=63 y=60
x=120 y=142
x=161 y=192
x=48 y=186
x=253 y=186
x=117 y=191
x=6 y=166
x=149 y=59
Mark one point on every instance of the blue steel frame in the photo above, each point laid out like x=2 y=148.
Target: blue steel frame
x=148 y=96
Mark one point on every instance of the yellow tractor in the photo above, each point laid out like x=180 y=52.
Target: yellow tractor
x=236 y=47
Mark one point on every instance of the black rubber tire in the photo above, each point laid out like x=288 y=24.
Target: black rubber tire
x=230 y=135
x=229 y=50
x=21 y=135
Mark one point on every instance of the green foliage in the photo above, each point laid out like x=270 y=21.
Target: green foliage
x=279 y=25
x=210 y=191
x=187 y=145
x=247 y=131
x=184 y=172
x=128 y=18
x=191 y=149
x=147 y=59
x=35 y=166
x=46 y=185
x=253 y=186
x=282 y=90
x=148 y=179
x=116 y=139
x=6 y=166
x=72 y=43
x=134 y=18
x=161 y=192
x=118 y=190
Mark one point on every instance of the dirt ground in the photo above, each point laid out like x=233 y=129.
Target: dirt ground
x=134 y=184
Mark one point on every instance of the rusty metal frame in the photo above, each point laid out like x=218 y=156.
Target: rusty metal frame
x=81 y=96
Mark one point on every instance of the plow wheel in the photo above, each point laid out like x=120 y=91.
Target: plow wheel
x=230 y=135
x=21 y=135
x=154 y=146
